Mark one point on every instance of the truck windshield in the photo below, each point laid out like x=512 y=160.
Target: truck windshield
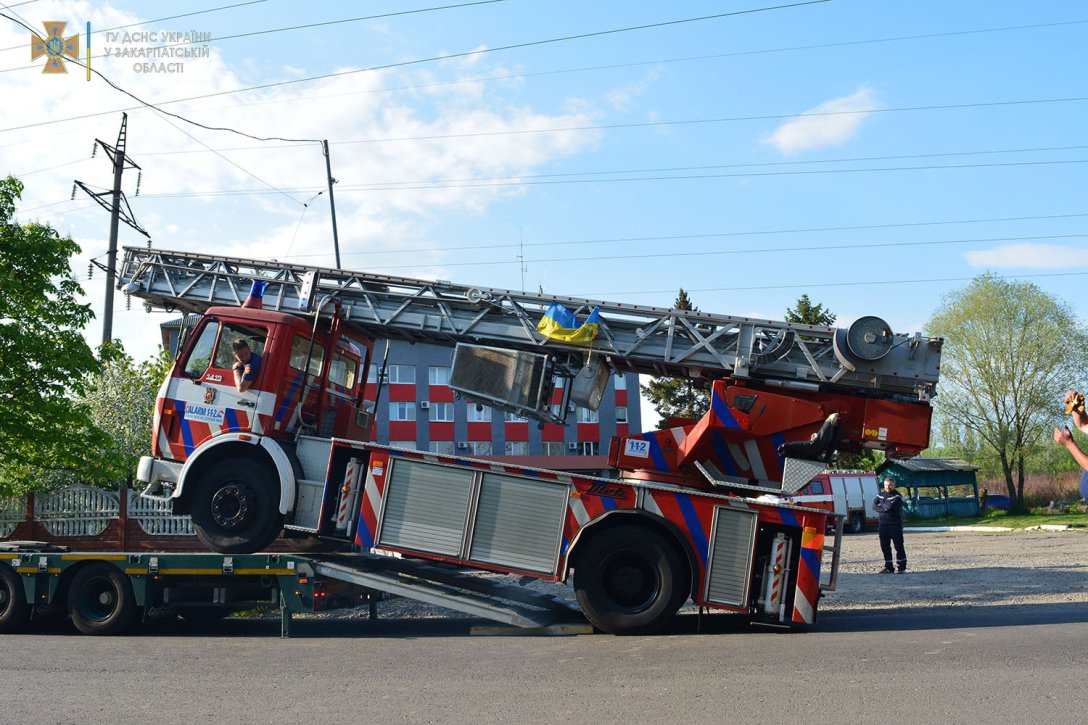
x=201 y=354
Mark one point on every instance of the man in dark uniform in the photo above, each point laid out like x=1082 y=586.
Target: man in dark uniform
x=889 y=504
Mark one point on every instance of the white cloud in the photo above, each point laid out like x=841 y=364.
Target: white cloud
x=1028 y=255
x=622 y=99
x=355 y=112
x=814 y=131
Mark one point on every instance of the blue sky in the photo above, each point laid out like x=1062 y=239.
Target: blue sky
x=876 y=155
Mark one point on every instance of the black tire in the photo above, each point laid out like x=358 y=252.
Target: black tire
x=100 y=600
x=630 y=580
x=856 y=524
x=14 y=611
x=315 y=545
x=235 y=507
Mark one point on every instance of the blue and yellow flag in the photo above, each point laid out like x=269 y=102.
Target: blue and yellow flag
x=559 y=323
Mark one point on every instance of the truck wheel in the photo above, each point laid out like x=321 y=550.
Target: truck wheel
x=235 y=507
x=629 y=580
x=100 y=600
x=14 y=611
x=857 y=524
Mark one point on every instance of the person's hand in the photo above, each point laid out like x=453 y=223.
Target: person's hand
x=1063 y=437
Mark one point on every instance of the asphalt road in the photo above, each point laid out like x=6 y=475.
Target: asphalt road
x=947 y=665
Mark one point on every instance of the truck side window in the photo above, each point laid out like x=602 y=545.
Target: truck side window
x=343 y=371
x=254 y=337
x=201 y=354
x=816 y=487
x=299 y=347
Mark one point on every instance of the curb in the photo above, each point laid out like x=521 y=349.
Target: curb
x=987 y=529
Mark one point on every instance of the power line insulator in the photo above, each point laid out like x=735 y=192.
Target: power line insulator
x=139 y=178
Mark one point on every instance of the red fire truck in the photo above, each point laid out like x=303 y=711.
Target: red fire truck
x=700 y=511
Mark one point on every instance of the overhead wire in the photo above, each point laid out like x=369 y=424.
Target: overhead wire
x=148 y=22
x=672 y=254
x=432 y=59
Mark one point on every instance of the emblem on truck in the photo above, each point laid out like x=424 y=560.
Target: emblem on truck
x=209 y=395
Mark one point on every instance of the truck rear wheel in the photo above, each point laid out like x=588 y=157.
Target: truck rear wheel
x=856 y=524
x=14 y=611
x=100 y=600
x=235 y=507
x=630 y=580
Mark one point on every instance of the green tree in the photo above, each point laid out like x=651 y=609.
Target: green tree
x=804 y=312
x=1010 y=352
x=121 y=402
x=675 y=397
x=44 y=360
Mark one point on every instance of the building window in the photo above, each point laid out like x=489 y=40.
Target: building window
x=555 y=448
x=621 y=413
x=479 y=413
x=402 y=411
x=515 y=418
x=556 y=410
x=442 y=412
x=517 y=448
x=479 y=448
x=372 y=374
x=590 y=448
x=585 y=415
x=438 y=376
x=402 y=374
x=444 y=448
x=410 y=445
x=621 y=382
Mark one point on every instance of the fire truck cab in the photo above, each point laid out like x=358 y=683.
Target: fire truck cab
x=310 y=381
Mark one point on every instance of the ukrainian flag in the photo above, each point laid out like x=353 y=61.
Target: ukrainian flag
x=559 y=323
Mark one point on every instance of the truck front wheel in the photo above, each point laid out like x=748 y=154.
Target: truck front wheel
x=235 y=507
x=630 y=580
x=14 y=611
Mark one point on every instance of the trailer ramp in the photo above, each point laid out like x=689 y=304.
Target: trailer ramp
x=454 y=589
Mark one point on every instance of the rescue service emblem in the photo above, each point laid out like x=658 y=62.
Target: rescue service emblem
x=209 y=395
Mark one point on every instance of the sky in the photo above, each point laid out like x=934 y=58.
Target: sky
x=875 y=155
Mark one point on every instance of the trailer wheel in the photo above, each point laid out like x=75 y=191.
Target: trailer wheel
x=100 y=600
x=857 y=524
x=629 y=580
x=235 y=507
x=14 y=611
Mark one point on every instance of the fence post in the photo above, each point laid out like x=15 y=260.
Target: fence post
x=122 y=515
x=30 y=515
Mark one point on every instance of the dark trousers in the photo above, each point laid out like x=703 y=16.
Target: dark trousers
x=892 y=534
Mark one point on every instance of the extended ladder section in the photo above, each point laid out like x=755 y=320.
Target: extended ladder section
x=867 y=356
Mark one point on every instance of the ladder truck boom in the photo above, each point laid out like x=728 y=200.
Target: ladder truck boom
x=262 y=426
x=867 y=357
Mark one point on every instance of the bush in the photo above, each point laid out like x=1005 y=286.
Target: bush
x=1041 y=488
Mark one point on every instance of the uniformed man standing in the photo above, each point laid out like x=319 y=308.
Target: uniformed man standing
x=889 y=504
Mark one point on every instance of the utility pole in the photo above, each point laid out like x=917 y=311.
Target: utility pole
x=332 y=201
x=117 y=214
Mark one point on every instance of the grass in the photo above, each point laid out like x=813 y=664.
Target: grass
x=1002 y=519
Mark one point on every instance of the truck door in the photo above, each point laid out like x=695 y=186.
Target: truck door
x=299 y=397
x=199 y=400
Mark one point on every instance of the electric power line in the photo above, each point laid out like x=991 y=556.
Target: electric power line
x=672 y=254
x=418 y=61
x=143 y=22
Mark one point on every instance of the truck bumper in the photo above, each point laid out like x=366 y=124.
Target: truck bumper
x=160 y=476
